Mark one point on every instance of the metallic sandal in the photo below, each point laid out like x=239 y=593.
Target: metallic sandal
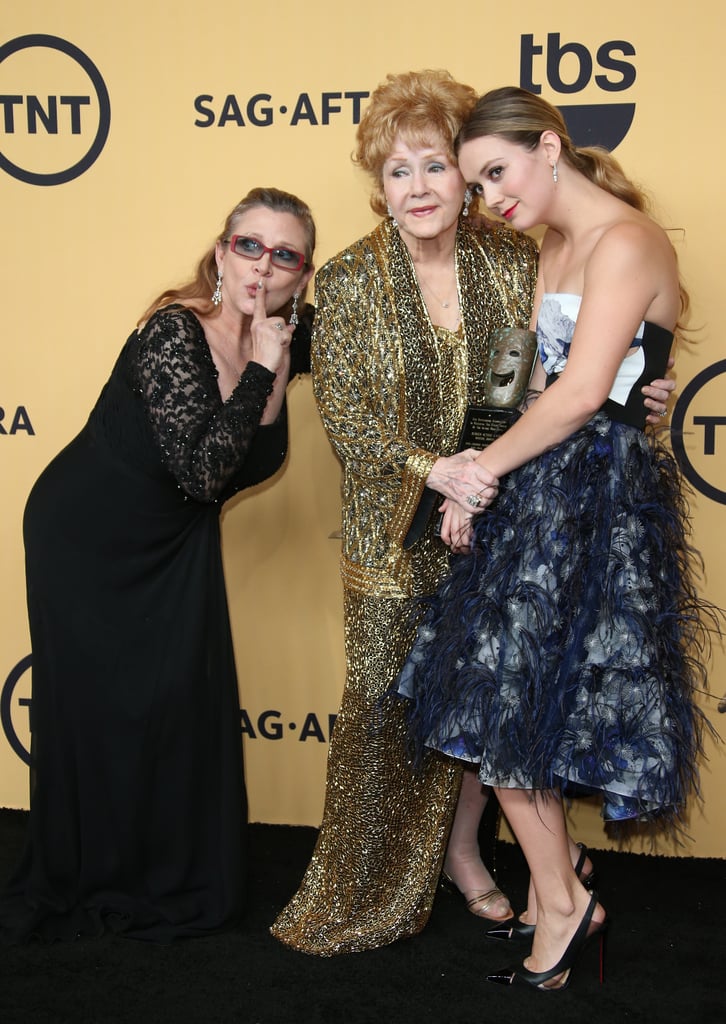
x=477 y=905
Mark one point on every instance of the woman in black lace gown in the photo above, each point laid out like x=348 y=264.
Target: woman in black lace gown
x=138 y=805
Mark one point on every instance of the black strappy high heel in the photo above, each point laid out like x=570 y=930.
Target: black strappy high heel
x=587 y=880
x=562 y=970
x=511 y=930
x=514 y=930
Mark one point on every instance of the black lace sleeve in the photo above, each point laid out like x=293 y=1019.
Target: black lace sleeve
x=203 y=441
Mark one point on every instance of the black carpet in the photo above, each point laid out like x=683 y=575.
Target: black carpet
x=664 y=958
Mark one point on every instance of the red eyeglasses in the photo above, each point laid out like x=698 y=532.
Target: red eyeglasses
x=253 y=249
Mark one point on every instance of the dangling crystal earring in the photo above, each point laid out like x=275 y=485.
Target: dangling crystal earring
x=394 y=222
x=294 y=320
x=467 y=199
x=217 y=297
x=554 y=173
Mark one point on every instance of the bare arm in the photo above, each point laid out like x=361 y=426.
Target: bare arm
x=622 y=265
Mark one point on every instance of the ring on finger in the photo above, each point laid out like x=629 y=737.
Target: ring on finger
x=278 y=326
x=663 y=413
x=474 y=500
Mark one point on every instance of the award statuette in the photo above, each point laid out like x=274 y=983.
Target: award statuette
x=511 y=355
x=484 y=424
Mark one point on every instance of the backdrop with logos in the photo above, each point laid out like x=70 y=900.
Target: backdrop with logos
x=124 y=139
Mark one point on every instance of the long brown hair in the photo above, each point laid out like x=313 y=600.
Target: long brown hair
x=197 y=293
x=520 y=117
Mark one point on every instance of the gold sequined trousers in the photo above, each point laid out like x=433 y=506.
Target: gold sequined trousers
x=376 y=864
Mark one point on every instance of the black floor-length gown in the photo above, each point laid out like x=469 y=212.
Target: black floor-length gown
x=138 y=803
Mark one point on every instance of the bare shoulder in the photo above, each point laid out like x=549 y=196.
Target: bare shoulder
x=629 y=239
x=634 y=257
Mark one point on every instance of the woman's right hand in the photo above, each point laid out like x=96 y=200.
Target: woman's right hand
x=271 y=336
x=460 y=478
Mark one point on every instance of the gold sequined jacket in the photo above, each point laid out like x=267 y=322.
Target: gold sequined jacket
x=392 y=389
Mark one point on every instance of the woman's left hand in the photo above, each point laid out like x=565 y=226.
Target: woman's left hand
x=456 y=527
x=657 y=394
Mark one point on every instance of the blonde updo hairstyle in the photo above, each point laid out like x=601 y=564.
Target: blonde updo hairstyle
x=197 y=293
x=422 y=107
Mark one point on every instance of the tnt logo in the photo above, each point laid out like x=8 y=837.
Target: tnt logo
x=55 y=112
x=568 y=68
x=15 y=708
x=698 y=432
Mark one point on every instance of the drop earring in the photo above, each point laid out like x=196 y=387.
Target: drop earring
x=217 y=297
x=394 y=222
x=467 y=199
x=554 y=172
x=294 y=319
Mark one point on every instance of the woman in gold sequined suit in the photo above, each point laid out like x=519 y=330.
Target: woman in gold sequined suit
x=401 y=345
x=400 y=348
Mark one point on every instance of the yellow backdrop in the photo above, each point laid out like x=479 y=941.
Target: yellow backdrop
x=126 y=137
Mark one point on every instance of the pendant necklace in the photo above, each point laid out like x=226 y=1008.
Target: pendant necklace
x=444 y=304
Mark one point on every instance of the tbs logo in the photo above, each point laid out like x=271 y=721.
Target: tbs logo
x=569 y=68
